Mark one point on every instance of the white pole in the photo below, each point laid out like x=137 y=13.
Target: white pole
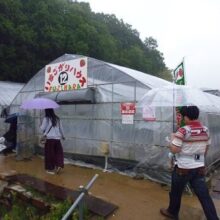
x=106 y=163
x=79 y=198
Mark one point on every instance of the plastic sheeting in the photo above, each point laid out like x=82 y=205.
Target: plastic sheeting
x=8 y=91
x=139 y=147
x=69 y=97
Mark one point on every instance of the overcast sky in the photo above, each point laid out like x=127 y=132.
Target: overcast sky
x=189 y=29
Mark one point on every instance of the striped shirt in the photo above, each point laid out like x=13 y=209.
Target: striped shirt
x=193 y=140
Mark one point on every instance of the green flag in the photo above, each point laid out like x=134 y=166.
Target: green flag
x=179 y=79
x=179 y=74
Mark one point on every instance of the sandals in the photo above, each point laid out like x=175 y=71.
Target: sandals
x=58 y=169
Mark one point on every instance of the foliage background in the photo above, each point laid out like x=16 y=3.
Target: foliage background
x=33 y=33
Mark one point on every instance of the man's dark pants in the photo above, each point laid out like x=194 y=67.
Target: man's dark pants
x=197 y=182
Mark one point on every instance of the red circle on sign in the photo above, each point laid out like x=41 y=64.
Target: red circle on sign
x=82 y=63
x=49 y=69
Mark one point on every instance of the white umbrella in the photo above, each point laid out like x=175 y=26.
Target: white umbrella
x=179 y=95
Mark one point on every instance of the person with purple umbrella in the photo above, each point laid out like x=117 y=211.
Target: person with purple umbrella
x=53 y=151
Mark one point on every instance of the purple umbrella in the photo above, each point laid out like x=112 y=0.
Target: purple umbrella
x=39 y=103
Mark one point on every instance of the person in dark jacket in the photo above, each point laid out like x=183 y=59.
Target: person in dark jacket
x=10 y=138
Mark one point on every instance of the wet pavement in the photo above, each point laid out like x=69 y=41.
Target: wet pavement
x=136 y=199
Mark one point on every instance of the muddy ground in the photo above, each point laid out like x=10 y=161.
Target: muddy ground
x=136 y=199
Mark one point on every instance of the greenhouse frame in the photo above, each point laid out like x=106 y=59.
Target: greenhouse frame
x=93 y=116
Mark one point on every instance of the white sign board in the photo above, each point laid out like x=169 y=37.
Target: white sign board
x=66 y=75
x=128 y=119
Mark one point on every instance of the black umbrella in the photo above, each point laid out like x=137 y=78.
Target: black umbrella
x=12 y=118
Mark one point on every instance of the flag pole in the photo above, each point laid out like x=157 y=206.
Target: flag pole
x=179 y=79
x=184 y=71
x=174 y=109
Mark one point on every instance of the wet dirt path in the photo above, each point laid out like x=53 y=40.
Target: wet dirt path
x=136 y=199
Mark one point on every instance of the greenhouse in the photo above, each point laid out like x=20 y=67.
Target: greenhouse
x=8 y=91
x=101 y=117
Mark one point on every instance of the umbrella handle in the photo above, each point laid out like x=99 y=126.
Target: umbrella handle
x=41 y=117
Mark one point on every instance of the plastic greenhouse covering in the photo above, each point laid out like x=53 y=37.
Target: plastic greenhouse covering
x=8 y=91
x=92 y=116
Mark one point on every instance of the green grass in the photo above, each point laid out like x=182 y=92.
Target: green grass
x=21 y=210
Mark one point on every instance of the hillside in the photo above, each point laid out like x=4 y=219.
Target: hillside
x=33 y=33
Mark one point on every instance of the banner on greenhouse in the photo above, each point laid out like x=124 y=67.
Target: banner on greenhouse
x=66 y=75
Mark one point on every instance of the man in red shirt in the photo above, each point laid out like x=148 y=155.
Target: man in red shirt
x=190 y=144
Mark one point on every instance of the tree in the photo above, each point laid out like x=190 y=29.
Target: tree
x=150 y=43
x=35 y=32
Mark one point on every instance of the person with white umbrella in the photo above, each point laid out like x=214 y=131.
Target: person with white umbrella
x=190 y=144
x=53 y=130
